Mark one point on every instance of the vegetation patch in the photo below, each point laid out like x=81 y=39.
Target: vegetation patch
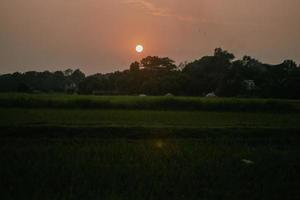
x=149 y=103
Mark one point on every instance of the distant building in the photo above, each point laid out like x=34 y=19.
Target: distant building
x=108 y=93
x=70 y=87
x=250 y=84
x=212 y=94
x=169 y=95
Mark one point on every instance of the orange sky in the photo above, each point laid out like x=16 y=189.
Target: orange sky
x=100 y=35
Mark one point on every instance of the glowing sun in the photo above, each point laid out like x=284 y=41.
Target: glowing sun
x=139 y=48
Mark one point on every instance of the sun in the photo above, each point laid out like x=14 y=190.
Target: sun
x=139 y=48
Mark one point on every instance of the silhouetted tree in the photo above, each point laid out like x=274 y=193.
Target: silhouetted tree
x=22 y=87
x=206 y=74
x=157 y=63
x=219 y=52
x=220 y=73
x=77 y=76
x=135 y=66
x=68 y=72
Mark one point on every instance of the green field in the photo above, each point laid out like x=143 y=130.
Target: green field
x=82 y=168
x=142 y=118
x=146 y=103
x=88 y=147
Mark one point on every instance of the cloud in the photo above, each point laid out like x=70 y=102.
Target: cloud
x=160 y=12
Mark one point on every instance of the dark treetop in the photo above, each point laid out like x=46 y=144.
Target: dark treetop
x=220 y=73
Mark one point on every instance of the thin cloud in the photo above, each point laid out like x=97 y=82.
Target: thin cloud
x=154 y=10
x=160 y=12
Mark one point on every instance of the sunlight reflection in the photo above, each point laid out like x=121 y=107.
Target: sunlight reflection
x=159 y=144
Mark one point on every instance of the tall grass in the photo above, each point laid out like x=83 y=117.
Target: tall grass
x=16 y=117
x=147 y=169
x=151 y=103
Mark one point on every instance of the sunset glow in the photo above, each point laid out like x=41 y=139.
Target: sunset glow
x=102 y=36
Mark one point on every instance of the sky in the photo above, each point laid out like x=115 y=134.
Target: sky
x=101 y=35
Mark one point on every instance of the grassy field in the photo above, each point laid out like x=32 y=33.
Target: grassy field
x=87 y=147
x=82 y=168
x=146 y=103
x=142 y=118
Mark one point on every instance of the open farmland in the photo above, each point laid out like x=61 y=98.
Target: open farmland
x=87 y=147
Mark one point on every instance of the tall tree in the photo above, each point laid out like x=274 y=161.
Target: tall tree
x=157 y=63
x=135 y=66
x=77 y=76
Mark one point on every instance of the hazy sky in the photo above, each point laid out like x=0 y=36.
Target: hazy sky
x=100 y=35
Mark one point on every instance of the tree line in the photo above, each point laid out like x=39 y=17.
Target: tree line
x=219 y=73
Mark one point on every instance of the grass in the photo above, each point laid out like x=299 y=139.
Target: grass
x=149 y=103
x=85 y=147
x=82 y=168
x=20 y=117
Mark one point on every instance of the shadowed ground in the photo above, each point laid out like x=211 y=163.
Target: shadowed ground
x=142 y=154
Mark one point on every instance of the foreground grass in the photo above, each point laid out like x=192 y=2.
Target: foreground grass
x=185 y=148
x=17 y=117
x=82 y=168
